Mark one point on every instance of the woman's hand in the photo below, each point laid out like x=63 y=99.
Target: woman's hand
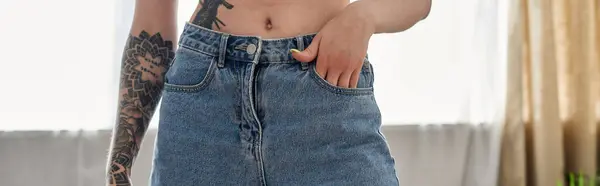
x=340 y=47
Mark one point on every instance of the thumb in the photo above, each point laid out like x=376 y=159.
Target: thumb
x=310 y=53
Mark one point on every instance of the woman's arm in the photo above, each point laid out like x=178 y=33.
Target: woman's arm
x=388 y=16
x=146 y=58
x=341 y=45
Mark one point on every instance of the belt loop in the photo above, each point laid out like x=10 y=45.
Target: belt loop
x=222 y=50
x=300 y=45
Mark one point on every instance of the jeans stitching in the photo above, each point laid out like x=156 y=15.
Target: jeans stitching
x=197 y=87
x=192 y=49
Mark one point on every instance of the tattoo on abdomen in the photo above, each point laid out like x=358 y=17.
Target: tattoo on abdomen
x=145 y=60
x=207 y=15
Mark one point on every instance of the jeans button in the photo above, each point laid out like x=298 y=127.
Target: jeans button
x=251 y=49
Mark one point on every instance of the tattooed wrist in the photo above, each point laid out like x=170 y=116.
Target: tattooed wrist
x=146 y=59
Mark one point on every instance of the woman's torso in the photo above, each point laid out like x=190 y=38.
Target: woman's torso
x=266 y=18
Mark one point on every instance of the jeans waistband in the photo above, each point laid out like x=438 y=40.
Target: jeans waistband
x=242 y=48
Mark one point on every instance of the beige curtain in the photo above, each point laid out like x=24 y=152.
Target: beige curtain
x=553 y=75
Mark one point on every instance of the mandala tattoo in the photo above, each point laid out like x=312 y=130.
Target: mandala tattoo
x=145 y=61
x=207 y=15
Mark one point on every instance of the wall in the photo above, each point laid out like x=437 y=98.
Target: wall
x=429 y=155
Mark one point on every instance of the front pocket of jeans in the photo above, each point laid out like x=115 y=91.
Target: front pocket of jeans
x=190 y=71
x=365 y=85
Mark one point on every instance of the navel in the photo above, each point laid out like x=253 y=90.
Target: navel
x=268 y=24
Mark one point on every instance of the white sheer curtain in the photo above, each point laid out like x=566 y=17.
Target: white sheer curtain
x=448 y=69
x=445 y=70
x=57 y=65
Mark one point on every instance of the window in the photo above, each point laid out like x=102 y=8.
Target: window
x=61 y=62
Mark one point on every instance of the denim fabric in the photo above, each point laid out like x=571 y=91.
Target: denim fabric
x=239 y=110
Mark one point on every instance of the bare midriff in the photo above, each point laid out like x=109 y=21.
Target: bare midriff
x=266 y=18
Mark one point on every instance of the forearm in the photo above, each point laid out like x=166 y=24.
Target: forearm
x=146 y=57
x=389 y=16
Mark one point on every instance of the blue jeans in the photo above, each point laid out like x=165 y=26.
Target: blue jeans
x=239 y=110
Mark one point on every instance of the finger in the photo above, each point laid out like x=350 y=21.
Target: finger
x=344 y=80
x=333 y=76
x=321 y=67
x=310 y=53
x=354 y=78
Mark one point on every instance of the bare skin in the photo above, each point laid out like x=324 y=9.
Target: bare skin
x=343 y=28
x=274 y=18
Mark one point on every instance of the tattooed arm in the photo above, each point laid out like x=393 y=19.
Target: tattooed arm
x=146 y=58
